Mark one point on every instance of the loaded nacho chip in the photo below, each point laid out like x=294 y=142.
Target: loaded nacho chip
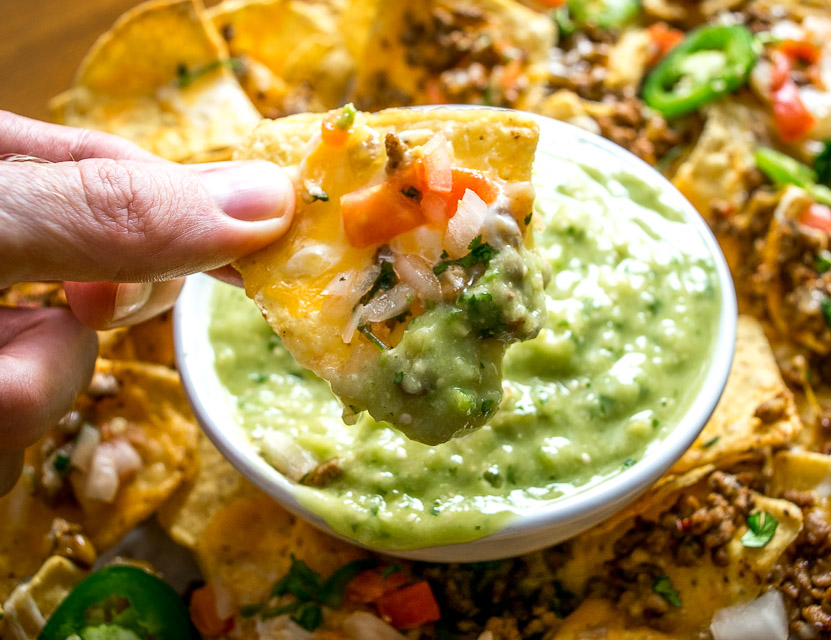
x=406 y=272
x=292 y=55
x=448 y=51
x=162 y=78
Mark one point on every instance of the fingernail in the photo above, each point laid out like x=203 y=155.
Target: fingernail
x=129 y=298
x=248 y=190
x=11 y=464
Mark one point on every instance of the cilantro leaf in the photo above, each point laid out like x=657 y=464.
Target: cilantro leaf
x=308 y=615
x=347 y=117
x=761 y=527
x=375 y=340
x=300 y=581
x=823 y=263
x=480 y=253
x=710 y=442
x=186 y=77
x=663 y=587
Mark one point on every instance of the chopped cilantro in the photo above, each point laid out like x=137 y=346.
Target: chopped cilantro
x=563 y=21
x=61 y=462
x=825 y=307
x=311 y=592
x=528 y=218
x=823 y=263
x=347 y=117
x=822 y=164
x=480 y=253
x=393 y=568
x=710 y=442
x=399 y=378
x=375 y=340
x=761 y=527
x=629 y=462
x=186 y=77
x=312 y=192
x=664 y=588
x=487 y=406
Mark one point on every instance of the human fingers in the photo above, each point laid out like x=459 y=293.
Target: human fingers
x=56 y=143
x=131 y=221
x=46 y=359
x=106 y=305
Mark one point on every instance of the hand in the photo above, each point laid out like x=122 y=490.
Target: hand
x=122 y=227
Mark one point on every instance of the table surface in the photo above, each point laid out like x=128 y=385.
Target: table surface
x=42 y=43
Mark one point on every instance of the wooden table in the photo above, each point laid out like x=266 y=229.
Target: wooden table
x=41 y=44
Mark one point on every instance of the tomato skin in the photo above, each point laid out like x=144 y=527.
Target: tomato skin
x=817 y=216
x=801 y=50
x=370 y=585
x=793 y=120
x=375 y=215
x=332 y=135
x=203 y=613
x=664 y=39
x=409 y=607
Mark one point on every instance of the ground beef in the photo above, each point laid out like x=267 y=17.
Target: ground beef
x=803 y=573
x=690 y=531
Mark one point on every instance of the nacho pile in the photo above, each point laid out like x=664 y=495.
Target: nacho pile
x=742 y=520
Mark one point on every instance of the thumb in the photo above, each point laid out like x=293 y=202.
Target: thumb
x=133 y=221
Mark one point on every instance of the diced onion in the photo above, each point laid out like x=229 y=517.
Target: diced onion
x=127 y=460
x=465 y=225
x=102 y=479
x=223 y=600
x=88 y=440
x=288 y=457
x=311 y=260
x=415 y=272
x=764 y=618
x=438 y=174
x=362 y=625
x=388 y=304
x=352 y=324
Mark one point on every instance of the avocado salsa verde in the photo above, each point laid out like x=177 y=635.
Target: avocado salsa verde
x=632 y=317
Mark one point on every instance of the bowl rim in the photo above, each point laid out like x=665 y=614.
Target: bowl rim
x=617 y=489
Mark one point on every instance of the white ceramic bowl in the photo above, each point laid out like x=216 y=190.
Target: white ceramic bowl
x=552 y=522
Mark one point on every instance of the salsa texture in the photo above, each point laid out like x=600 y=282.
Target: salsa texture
x=632 y=312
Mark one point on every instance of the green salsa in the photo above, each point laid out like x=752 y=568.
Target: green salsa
x=632 y=317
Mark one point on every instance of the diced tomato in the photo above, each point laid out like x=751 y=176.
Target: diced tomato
x=434 y=208
x=793 y=120
x=409 y=607
x=204 y=615
x=817 y=216
x=801 y=50
x=510 y=74
x=464 y=179
x=434 y=169
x=664 y=39
x=781 y=71
x=377 y=214
x=370 y=585
x=332 y=135
x=552 y=3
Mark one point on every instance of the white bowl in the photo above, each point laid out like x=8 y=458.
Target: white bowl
x=553 y=521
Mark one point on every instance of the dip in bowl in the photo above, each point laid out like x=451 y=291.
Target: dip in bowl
x=629 y=367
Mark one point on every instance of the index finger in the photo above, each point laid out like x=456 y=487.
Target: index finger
x=56 y=143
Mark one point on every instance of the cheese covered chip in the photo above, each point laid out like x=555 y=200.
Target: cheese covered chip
x=405 y=273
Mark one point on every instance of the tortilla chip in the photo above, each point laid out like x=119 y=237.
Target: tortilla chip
x=150 y=341
x=186 y=515
x=33 y=294
x=290 y=279
x=596 y=618
x=161 y=429
x=756 y=410
x=801 y=471
x=719 y=165
x=151 y=399
x=30 y=603
x=249 y=544
x=410 y=44
x=293 y=53
x=158 y=78
x=703 y=588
